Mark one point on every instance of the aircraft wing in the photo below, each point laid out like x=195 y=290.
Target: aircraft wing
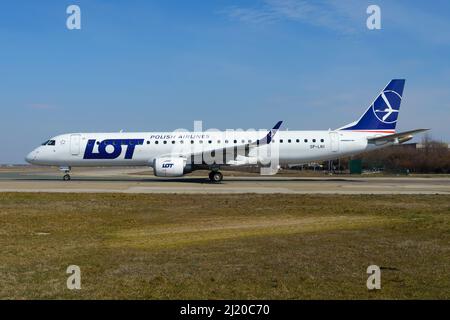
x=400 y=137
x=240 y=151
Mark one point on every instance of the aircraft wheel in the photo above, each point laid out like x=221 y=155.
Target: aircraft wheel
x=66 y=177
x=216 y=176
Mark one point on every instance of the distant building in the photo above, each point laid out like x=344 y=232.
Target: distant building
x=408 y=146
x=421 y=145
x=415 y=145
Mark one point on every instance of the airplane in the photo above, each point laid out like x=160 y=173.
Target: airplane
x=174 y=154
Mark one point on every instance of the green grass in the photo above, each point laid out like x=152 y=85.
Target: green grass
x=224 y=246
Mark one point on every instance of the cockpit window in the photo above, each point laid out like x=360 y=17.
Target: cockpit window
x=49 y=143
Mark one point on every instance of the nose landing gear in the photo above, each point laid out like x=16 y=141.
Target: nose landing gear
x=66 y=170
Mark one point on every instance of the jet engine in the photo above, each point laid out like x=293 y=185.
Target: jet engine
x=170 y=167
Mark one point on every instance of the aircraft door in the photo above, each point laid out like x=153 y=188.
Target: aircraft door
x=75 y=144
x=334 y=139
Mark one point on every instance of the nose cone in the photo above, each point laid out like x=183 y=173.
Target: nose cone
x=30 y=157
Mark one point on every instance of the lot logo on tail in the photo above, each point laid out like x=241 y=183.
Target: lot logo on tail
x=111 y=148
x=386 y=106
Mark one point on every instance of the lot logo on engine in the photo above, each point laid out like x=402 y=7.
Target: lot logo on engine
x=111 y=148
x=167 y=165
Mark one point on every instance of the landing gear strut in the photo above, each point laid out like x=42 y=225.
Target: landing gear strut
x=215 y=176
x=66 y=171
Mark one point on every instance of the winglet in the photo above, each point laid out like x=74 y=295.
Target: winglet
x=268 y=138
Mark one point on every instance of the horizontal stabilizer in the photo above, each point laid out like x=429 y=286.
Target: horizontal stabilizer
x=401 y=137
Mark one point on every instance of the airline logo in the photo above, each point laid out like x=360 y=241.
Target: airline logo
x=387 y=106
x=167 y=165
x=111 y=148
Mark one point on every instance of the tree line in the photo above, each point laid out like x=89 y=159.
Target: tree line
x=432 y=157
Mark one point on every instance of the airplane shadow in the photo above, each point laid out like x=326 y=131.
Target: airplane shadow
x=197 y=180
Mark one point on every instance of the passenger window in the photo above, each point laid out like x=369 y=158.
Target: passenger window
x=148 y=142
x=173 y=142
x=200 y=141
x=226 y=141
x=218 y=141
x=289 y=140
x=314 y=140
x=156 y=142
x=298 y=140
x=321 y=140
x=235 y=141
x=181 y=141
x=281 y=140
x=165 y=142
x=192 y=141
x=306 y=140
x=209 y=141
x=243 y=141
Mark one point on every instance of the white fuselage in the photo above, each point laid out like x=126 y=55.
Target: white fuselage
x=142 y=148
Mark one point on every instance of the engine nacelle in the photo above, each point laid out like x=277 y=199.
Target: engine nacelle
x=170 y=167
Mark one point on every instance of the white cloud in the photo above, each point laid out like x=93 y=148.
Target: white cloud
x=349 y=16
x=328 y=14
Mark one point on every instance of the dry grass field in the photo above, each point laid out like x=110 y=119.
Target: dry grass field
x=224 y=246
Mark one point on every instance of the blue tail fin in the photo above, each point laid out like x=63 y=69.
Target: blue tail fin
x=383 y=112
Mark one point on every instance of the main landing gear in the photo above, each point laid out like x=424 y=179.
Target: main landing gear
x=215 y=176
x=66 y=170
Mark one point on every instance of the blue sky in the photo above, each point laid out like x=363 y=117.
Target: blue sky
x=160 y=65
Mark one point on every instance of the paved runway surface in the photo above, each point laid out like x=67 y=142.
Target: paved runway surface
x=133 y=181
